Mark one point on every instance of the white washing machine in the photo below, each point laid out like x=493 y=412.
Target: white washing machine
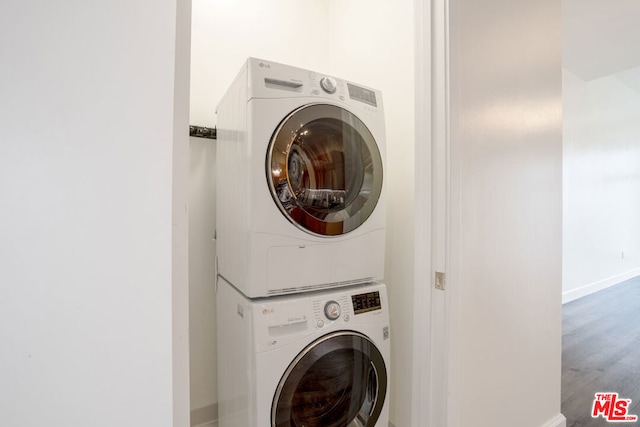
x=318 y=359
x=300 y=195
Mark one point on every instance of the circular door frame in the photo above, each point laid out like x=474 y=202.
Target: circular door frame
x=279 y=150
x=339 y=340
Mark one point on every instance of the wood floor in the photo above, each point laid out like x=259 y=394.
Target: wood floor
x=601 y=352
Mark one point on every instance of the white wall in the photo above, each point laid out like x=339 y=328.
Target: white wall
x=90 y=102
x=601 y=181
x=506 y=166
x=363 y=41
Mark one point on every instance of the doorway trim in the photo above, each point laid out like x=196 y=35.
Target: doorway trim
x=431 y=352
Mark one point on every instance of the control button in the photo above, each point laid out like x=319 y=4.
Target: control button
x=346 y=318
x=328 y=84
x=320 y=323
x=332 y=310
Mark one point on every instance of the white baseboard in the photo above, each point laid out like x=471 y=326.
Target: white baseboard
x=557 y=421
x=205 y=416
x=591 y=288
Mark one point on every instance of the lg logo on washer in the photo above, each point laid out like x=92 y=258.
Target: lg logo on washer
x=300 y=181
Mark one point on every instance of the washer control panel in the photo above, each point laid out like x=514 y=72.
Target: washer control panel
x=283 y=320
x=368 y=301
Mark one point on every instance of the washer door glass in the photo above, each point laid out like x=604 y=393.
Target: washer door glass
x=324 y=169
x=340 y=380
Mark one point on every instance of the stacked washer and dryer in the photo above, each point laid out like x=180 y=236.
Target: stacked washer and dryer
x=303 y=321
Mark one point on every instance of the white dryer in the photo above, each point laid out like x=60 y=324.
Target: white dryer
x=318 y=359
x=300 y=195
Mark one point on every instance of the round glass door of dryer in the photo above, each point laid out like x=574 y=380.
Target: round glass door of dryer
x=324 y=170
x=340 y=380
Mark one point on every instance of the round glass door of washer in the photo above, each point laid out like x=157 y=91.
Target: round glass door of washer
x=324 y=169
x=339 y=380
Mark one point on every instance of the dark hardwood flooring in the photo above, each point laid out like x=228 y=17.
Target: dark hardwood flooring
x=601 y=352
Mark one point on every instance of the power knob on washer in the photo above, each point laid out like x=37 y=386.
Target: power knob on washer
x=332 y=310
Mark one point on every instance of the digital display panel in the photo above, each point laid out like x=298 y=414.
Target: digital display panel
x=363 y=303
x=361 y=94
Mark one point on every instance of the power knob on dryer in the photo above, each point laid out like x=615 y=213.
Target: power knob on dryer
x=328 y=84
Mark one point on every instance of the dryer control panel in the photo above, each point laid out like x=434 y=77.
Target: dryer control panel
x=273 y=80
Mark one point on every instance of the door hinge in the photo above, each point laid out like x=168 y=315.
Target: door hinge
x=440 y=280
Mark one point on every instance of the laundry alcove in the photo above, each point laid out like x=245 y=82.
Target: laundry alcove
x=357 y=40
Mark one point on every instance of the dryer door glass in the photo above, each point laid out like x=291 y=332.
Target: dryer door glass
x=324 y=169
x=339 y=380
